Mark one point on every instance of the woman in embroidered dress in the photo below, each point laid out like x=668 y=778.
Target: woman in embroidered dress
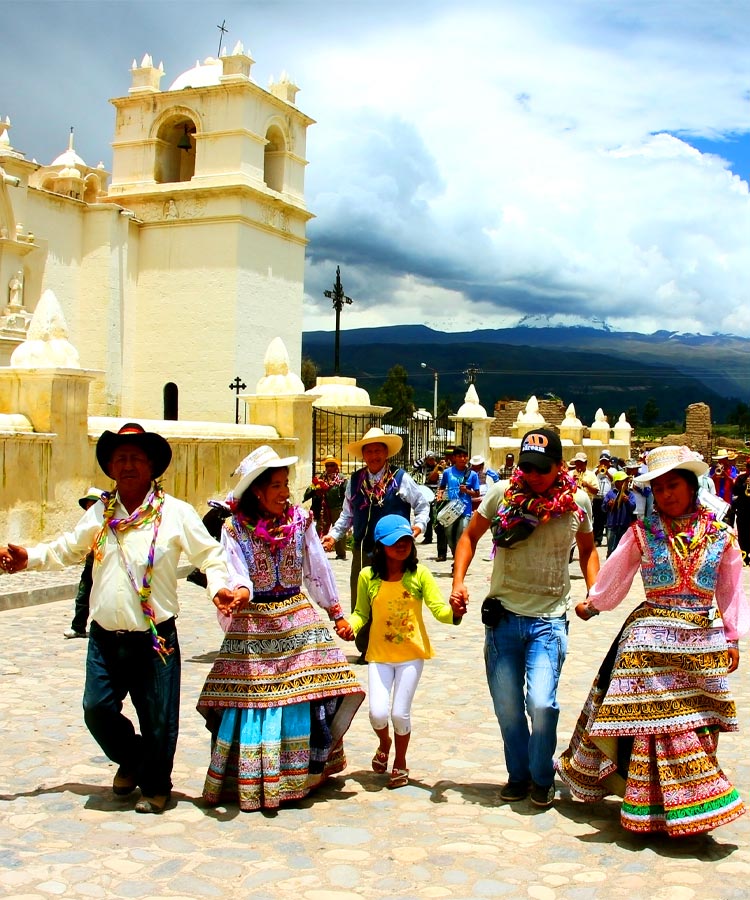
x=650 y=726
x=390 y=594
x=280 y=695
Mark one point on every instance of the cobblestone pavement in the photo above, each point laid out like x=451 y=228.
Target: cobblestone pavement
x=63 y=832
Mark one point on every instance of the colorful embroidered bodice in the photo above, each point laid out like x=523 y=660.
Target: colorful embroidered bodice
x=673 y=579
x=274 y=571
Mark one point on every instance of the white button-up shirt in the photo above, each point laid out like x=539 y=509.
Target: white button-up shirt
x=115 y=605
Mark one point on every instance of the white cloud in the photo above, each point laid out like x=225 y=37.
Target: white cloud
x=470 y=165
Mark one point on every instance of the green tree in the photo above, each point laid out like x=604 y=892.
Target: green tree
x=631 y=414
x=397 y=393
x=308 y=372
x=740 y=415
x=650 y=412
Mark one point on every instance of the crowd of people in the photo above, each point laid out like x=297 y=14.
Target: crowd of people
x=281 y=693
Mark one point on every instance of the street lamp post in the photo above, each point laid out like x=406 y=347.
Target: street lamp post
x=434 y=398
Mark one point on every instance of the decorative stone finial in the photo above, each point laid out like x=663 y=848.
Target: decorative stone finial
x=46 y=345
x=278 y=379
x=145 y=79
x=285 y=89
x=471 y=408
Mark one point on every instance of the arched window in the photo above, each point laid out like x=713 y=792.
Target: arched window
x=274 y=158
x=175 y=151
x=171 y=404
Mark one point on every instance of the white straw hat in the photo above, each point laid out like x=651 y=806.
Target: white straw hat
x=255 y=463
x=664 y=459
x=376 y=436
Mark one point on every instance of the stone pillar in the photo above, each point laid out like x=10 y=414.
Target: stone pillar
x=45 y=473
x=291 y=416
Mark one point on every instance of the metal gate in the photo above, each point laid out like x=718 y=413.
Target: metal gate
x=333 y=431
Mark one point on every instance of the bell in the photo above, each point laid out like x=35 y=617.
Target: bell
x=184 y=141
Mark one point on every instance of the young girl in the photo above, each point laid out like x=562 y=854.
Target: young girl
x=391 y=591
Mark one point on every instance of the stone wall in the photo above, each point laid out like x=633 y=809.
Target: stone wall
x=506 y=412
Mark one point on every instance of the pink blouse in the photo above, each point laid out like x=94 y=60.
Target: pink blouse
x=617 y=573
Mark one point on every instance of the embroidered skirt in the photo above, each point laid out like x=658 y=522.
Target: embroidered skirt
x=649 y=728
x=278 y=701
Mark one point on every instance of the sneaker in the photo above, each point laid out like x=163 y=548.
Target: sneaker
x=542 y=797
x=72 y=633
x=514 y=791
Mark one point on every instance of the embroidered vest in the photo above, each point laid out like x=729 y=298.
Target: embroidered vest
x=671 y=580
x=366 y=513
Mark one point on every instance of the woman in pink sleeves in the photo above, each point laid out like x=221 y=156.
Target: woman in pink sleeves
x=649 y=729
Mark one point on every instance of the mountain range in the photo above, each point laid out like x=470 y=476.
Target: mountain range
x=590 y=367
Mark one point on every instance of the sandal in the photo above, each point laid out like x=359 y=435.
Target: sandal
x=399 y=778
x=380 y=762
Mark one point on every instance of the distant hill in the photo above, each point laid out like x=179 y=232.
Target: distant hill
x=589 y=367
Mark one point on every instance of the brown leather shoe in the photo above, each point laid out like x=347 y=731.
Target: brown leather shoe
x=155 y=804
x=123 y=783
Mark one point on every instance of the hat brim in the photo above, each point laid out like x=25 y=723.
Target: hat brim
x=540 y=460
x=392 y=442
x=153 y=445
x=244 y=483
x=696 y=466
x=401 y=532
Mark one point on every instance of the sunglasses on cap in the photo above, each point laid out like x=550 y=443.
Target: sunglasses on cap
x=528 y=468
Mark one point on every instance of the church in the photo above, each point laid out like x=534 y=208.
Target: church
x=177 y=270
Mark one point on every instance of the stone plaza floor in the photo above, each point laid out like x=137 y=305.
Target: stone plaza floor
x=447 y=834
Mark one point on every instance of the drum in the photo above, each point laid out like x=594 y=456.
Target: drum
x=452 y=510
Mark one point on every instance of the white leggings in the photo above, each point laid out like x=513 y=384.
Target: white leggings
x=403 y=678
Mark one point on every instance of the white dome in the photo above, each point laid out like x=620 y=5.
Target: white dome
x=205 y=75
x=70 y=160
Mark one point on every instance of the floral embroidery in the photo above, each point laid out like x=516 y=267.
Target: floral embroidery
x=400 y=622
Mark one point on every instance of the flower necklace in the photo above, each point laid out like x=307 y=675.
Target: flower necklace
x=149 y=512
x=375 y=493
x=278 y=532
x=520 y=503
x=685 y=533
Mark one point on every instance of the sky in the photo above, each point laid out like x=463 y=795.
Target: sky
x=472 y=165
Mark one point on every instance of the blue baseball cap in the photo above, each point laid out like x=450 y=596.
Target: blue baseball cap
x=391 y=529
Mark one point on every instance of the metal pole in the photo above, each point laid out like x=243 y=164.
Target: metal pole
x=434 y=399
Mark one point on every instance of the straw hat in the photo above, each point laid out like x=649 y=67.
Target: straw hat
x=376 y=436
x=153 y=445
x=330 y=459
x=722 y=454
x=664 y=459
x=255 y=463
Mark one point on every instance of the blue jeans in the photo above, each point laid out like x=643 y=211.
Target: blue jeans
x=122 y=663
x=532 y=650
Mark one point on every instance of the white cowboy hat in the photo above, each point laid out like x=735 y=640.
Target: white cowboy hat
x=722 y=454
x=477 y=460
x=664 y=459
x=91 y=496
x=255 y=463
x=392 y=442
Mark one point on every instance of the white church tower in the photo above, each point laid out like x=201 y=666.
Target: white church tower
x=213 y=172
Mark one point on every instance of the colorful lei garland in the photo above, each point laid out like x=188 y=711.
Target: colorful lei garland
x=149 y=512
x=519 y=503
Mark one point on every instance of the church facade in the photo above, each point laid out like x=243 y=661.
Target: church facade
x=175 y=273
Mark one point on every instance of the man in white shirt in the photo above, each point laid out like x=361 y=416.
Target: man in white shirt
x=137 y=534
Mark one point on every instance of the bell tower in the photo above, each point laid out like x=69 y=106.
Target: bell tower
x=212 y=170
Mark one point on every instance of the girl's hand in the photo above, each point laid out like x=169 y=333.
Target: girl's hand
x=734 y=659
x=344 y=630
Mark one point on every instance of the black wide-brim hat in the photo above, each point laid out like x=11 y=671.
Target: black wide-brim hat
x=153 y=445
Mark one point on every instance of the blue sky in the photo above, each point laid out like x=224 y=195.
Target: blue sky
x=473 y=164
